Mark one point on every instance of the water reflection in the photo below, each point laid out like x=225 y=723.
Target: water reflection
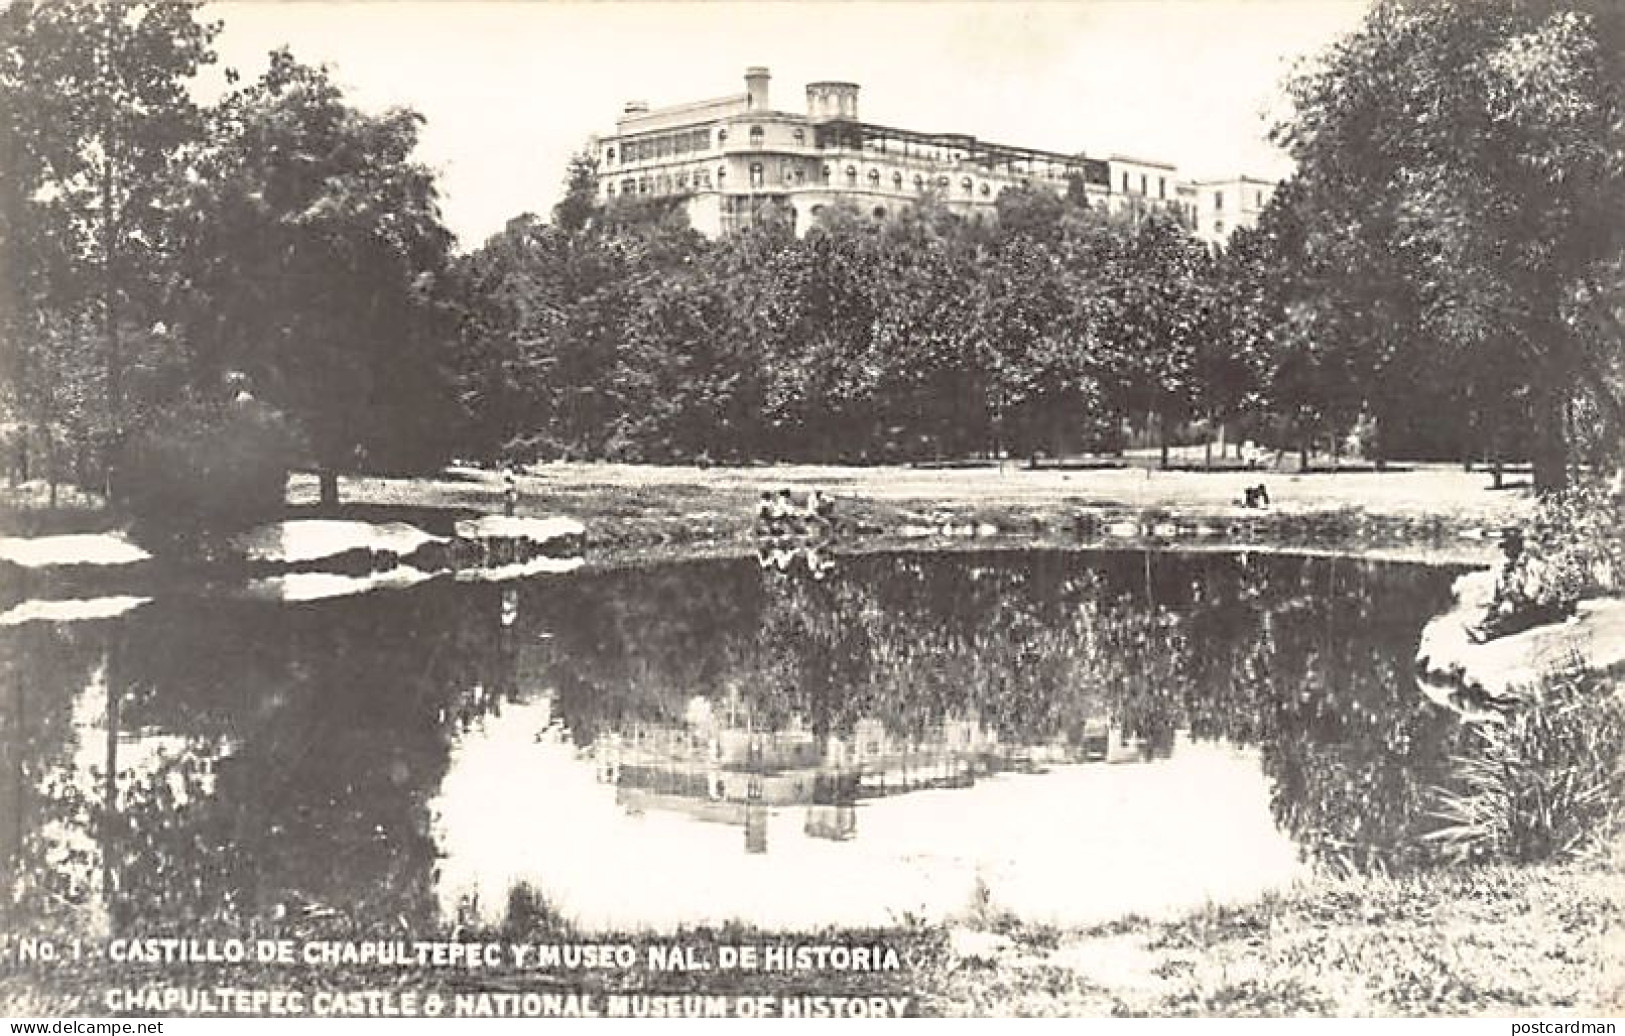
x=1072 y=735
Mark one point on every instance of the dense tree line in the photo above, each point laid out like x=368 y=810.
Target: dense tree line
x=619 y=332
x=1444 y=277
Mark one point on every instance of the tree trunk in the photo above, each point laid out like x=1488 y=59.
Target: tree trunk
x=110 y=309
x=329 y=480
x=50 y=469
x=1551 y=442
x=1162 y=438
x=1303 y=453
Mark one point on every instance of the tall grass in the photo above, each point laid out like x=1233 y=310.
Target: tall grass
x=1545 y=785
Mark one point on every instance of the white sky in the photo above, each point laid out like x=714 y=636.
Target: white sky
x=511 y=89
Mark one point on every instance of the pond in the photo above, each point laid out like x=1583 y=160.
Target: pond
x=1066 y=736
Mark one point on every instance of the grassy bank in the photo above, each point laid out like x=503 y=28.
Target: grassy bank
x=637 y=513
x=1483 y=941
x=1475 y=941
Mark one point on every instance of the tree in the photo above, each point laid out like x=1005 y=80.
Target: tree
x=318 y=269
x=96 y=128
x=580 y=201
x=1475 y=154
x=1160 y=290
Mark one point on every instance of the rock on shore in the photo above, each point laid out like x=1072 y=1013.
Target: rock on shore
x=1477 y=679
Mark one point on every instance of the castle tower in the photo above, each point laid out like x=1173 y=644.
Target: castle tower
x=756 y=80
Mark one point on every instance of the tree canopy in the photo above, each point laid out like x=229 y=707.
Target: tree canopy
x=1461 y=168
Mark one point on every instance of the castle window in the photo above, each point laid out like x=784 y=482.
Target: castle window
x=629 y=186
x=1218 y=201
x=801 y=175
x=967 y=185
x=851 y=176
x=801 y=136
x=826 y=172
x=756 y=174
x=942 y=181
x=1162 y=187
x=1125 y=182
x=609 y=156
x=1143 y=186
x=874 y=178
x=1258 y=198
x=756 y=136
x=609 y=190
x=880 y=212
x=722 y=137
x=682 y=181
x=919 y=182
x=897 y=181
x=986 y=190
x=722 y=176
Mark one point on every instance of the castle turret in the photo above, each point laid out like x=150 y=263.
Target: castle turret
x=756 y=80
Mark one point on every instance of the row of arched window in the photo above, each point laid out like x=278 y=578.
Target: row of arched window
x=880 y=212
x=967 y=186
x=665 y=183
x=790 y=174
x=669 y=144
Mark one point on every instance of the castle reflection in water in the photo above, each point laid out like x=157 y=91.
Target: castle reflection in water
x=717 y=766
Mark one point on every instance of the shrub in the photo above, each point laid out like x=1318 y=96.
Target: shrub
x=1579 y=534
x=203 y=474
x=1546 y=784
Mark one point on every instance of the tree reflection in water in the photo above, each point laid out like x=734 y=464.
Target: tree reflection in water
x=276 y=764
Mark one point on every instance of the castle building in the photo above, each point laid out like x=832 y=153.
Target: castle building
x=1221 y=206
x=738 y=159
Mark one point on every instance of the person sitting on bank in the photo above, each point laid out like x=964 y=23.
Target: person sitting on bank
x=1524 y=595
x=821 y=511
x=766 y=510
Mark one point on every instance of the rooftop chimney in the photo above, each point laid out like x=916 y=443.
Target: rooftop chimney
x=636 y=108
x=756 y=78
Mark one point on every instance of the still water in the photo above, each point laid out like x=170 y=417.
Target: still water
x=1064 y=736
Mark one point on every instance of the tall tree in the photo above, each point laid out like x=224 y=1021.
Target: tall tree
x=1475 y=154
x=319 y=270
x=96 y=125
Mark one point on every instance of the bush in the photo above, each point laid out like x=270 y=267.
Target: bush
x=205 y=474
x=1579 y=536
x=1546 y=784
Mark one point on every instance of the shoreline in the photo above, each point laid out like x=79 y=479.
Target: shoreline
x=637 y=515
